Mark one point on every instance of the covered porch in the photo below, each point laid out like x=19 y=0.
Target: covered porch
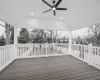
x=49 y=61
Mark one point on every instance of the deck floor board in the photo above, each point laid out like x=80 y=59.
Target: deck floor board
x=50 y=68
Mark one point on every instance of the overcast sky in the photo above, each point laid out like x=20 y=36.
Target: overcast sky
x=80 y=32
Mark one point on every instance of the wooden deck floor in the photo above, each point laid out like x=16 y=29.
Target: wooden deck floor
x=50 y=68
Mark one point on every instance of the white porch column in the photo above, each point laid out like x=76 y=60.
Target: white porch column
x=70 y=42
x=56 y=40
x=15 y=35
x=15 y=42
x=90 y=55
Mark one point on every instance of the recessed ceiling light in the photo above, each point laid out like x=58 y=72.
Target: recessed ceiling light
x=32 y=13
x=62 y=18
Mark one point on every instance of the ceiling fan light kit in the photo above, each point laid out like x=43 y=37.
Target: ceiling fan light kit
x=54 y=7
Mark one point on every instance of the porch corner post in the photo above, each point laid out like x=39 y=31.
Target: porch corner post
x=90 y=55
x=70 y=43
x=15 y=41
x=15 y=35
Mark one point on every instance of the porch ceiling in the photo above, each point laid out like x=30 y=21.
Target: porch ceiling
x=80 y=13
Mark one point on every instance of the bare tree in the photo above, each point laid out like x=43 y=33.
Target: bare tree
x=37 y=35
x=43 y=36
x=94 y=34
x=51 y=33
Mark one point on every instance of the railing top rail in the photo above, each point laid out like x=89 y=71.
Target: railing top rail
x=33 y=43
x=7 y=46
x=95 y=47
x=45 y=43
x=62 y=43
x=80 y=45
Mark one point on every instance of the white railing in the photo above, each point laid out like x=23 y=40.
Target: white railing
x=21 y=48
x=80 y=51
x=63 y=47
x=7 y=55
x=11 y=52
x=37 y=50
x=86 y=53
x=95 y=57
x=33 y=50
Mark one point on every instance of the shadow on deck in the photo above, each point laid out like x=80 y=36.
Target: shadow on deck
x=50 y=68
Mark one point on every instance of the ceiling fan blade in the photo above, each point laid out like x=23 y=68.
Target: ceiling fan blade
x=47 y=3
x=61 y=8
x=47 y=11
x=58 y=3
x=54 y=12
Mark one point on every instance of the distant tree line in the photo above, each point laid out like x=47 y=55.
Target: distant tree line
x=33 y=36
x=36 y=36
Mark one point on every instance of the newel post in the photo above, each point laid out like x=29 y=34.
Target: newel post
x=70 y=43
x=90 y=54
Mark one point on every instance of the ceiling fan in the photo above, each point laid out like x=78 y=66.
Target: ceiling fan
x=54 y=7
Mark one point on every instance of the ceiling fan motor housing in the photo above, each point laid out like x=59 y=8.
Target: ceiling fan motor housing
x=54 y=7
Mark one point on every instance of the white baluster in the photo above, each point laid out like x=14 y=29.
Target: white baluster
x=3 y=56
x=46 y=47
x=0 y=57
